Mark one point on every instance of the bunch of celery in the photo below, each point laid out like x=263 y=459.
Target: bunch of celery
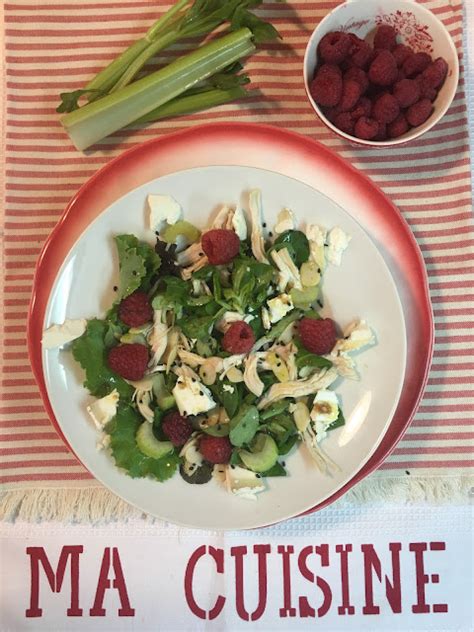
x=204 y=78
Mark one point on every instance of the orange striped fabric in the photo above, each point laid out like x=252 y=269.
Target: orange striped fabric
x=56 y=46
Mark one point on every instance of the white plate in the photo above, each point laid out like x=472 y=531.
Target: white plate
x=361 y=288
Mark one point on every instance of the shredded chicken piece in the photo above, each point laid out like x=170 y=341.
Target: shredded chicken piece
x=190 y=255
x=251 y=377
x=288 y=275
x=229 y=220
x=143 y=399
x=266 y=318
x=191 y=359
x=185 y=371
x=344 y=365
x=171 y=352
x=186 y=273
x=220 y=219
x=255 y=204
x=325 y=464
x=298 y=388
x=286 y=221
x=231 y=361
x=158 y=338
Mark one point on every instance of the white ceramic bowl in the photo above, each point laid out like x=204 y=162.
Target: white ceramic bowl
x=417 y=27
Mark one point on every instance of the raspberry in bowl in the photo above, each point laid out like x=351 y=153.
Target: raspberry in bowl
x=380 y=78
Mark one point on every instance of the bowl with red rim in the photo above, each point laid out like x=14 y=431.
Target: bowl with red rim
x=416 y=27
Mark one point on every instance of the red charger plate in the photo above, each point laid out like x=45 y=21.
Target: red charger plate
x=274 y=149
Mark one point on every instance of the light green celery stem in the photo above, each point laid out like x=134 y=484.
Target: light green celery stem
x=193 y=103
x=98 y=119
x=137 y=64
x=107 y=77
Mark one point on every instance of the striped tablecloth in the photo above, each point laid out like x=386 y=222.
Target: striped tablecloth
x=53 y=46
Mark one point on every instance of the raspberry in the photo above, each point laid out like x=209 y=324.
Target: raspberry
x=317 y=335
x=419 y=112
x=385 y=109
x=401 y=75
x=385 y=37
x=426 y=91
x=334 y=47
x=435 y=74
x=220 y=245
x=351 y=91
x=406 y=92
x=366 y=128
x=382 y=133
x=363 y=108
x=345 y=122
x=326 y=87
x=239 y=338
x=357 y=74
x=177 y=428
x=361 y=53
x=383 y=70
x=398 y=127
x=215 y=449
x=330 y=113
x=135 y=310
x=401 y=52
x=415 y=64
x=129 y=360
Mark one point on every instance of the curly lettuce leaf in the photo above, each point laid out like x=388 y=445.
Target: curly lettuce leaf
x=138 y=263
x=90 y=350
x=122 y=430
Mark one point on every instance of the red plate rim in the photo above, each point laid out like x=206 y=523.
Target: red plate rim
x=54 y=252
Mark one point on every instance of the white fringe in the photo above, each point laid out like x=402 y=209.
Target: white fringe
x=97 y=505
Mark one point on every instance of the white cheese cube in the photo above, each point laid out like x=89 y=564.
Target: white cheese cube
x=325 y=407
x=192 y=397
x=163 y=209
x=338 y=241
x=243 y=482
x=58 y=335
x=104 y=410
x=279 y=307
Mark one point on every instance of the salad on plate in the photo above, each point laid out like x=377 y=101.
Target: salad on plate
x=214 y=359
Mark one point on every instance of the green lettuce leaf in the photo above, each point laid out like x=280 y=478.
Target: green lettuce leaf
x=138 y=263
x=122 y=430
x=90 y=350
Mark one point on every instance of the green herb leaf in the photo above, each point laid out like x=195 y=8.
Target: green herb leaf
x=306 y=358
x=244 y=425
x=70 y=100
x=172 y=293
x=138 y=262
x=198 y=327
x=340 y=421
x=276 y=470
x=298 y=241
x=230 y=399
x=286 y=446
x=277 y=330
x=90 y=350
x=274 y=409
x=122 y=430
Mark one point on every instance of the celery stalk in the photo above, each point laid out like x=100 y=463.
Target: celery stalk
x=100 y=118
x=107 y=77
x=193 y=103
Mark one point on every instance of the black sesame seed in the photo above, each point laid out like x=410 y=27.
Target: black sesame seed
x=407 y=472
x=115 y=288
x=319 y=270
x=264 y=224
x=258 y=476
x=201 y=254
x=232 y=467
x=283 y=463
x=157 y=232
x=270 y=234
x=193 y=379
x=185 y=413
x=218 y=427
x=326 y=244
x=135 y=273
x=320 y=304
